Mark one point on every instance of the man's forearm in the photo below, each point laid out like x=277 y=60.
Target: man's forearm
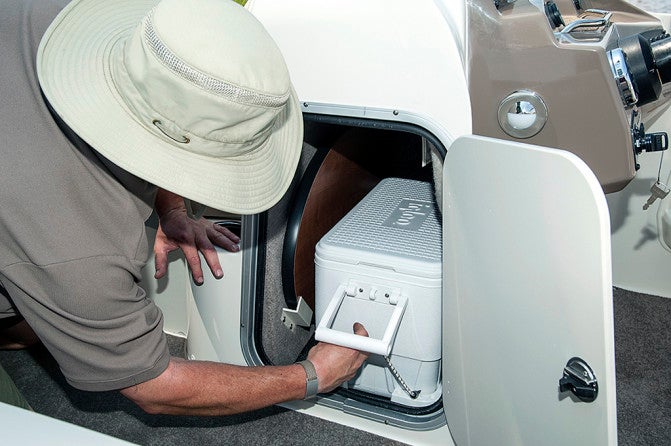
x=209 y=388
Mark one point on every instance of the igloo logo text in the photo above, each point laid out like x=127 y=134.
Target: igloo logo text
x=409 y=214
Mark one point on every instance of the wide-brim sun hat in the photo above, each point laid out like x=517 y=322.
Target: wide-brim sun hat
x=193 y=96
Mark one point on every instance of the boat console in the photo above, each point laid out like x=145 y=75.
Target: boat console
x=577 y=75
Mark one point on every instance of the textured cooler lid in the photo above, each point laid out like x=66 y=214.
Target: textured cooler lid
x=396 y=226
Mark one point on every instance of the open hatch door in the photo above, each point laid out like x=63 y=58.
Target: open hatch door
x=527 y=288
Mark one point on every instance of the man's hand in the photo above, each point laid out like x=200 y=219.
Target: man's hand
x=177 y=230
x=334 y=364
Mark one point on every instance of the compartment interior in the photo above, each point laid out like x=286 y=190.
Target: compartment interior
x=342 y=161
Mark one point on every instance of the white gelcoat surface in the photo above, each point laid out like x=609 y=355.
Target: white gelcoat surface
x=23 y=427
x=527 y=287
x=375 y=55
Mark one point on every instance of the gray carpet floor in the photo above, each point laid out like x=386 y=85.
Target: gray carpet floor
x=643 y=352
x=39 y=379
x=643 y=368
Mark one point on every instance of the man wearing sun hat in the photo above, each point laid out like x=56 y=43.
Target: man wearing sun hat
x=128 y=106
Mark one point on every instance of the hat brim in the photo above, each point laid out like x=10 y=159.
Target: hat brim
x=73 y=67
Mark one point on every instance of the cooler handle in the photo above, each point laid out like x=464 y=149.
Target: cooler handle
x=351 y=340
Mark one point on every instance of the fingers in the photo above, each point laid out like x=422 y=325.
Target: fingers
x=227 y=233
x=223 y=237
x=359 y=329
x=161 y=250
x=336 y=364
x=212 y=260
x=192 y=237
x=211 y=257
x=220 y=236
x=193 y=260
x=161 y=263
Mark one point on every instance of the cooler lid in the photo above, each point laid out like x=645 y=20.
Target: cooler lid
x=395 y=227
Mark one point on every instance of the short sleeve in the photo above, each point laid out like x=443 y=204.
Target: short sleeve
x=97 y=322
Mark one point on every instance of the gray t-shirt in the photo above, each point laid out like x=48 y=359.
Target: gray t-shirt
x=72 y=236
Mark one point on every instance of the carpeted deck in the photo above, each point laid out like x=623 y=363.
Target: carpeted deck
x=37 y=376
x=643 y=368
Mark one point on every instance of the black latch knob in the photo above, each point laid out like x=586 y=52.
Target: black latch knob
x=583 y=391
x=579 y=379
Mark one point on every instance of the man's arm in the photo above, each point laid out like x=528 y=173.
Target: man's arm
x=177 y=231
x=209 y=388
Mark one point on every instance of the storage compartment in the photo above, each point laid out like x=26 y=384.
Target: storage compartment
x=381 y=266
x=343 y=160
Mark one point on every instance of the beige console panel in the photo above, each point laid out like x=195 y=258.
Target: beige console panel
x=514 y=48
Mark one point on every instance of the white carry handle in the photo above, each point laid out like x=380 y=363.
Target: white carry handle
x=351 y=340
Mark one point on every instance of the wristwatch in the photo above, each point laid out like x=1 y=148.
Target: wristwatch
x=311 y=380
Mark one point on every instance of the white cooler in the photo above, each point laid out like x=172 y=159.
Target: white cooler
x=381 y=266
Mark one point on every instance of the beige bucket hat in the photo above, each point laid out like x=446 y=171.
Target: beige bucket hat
x=193 y=96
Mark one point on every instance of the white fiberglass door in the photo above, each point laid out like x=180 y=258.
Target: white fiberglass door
x=527 y=273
